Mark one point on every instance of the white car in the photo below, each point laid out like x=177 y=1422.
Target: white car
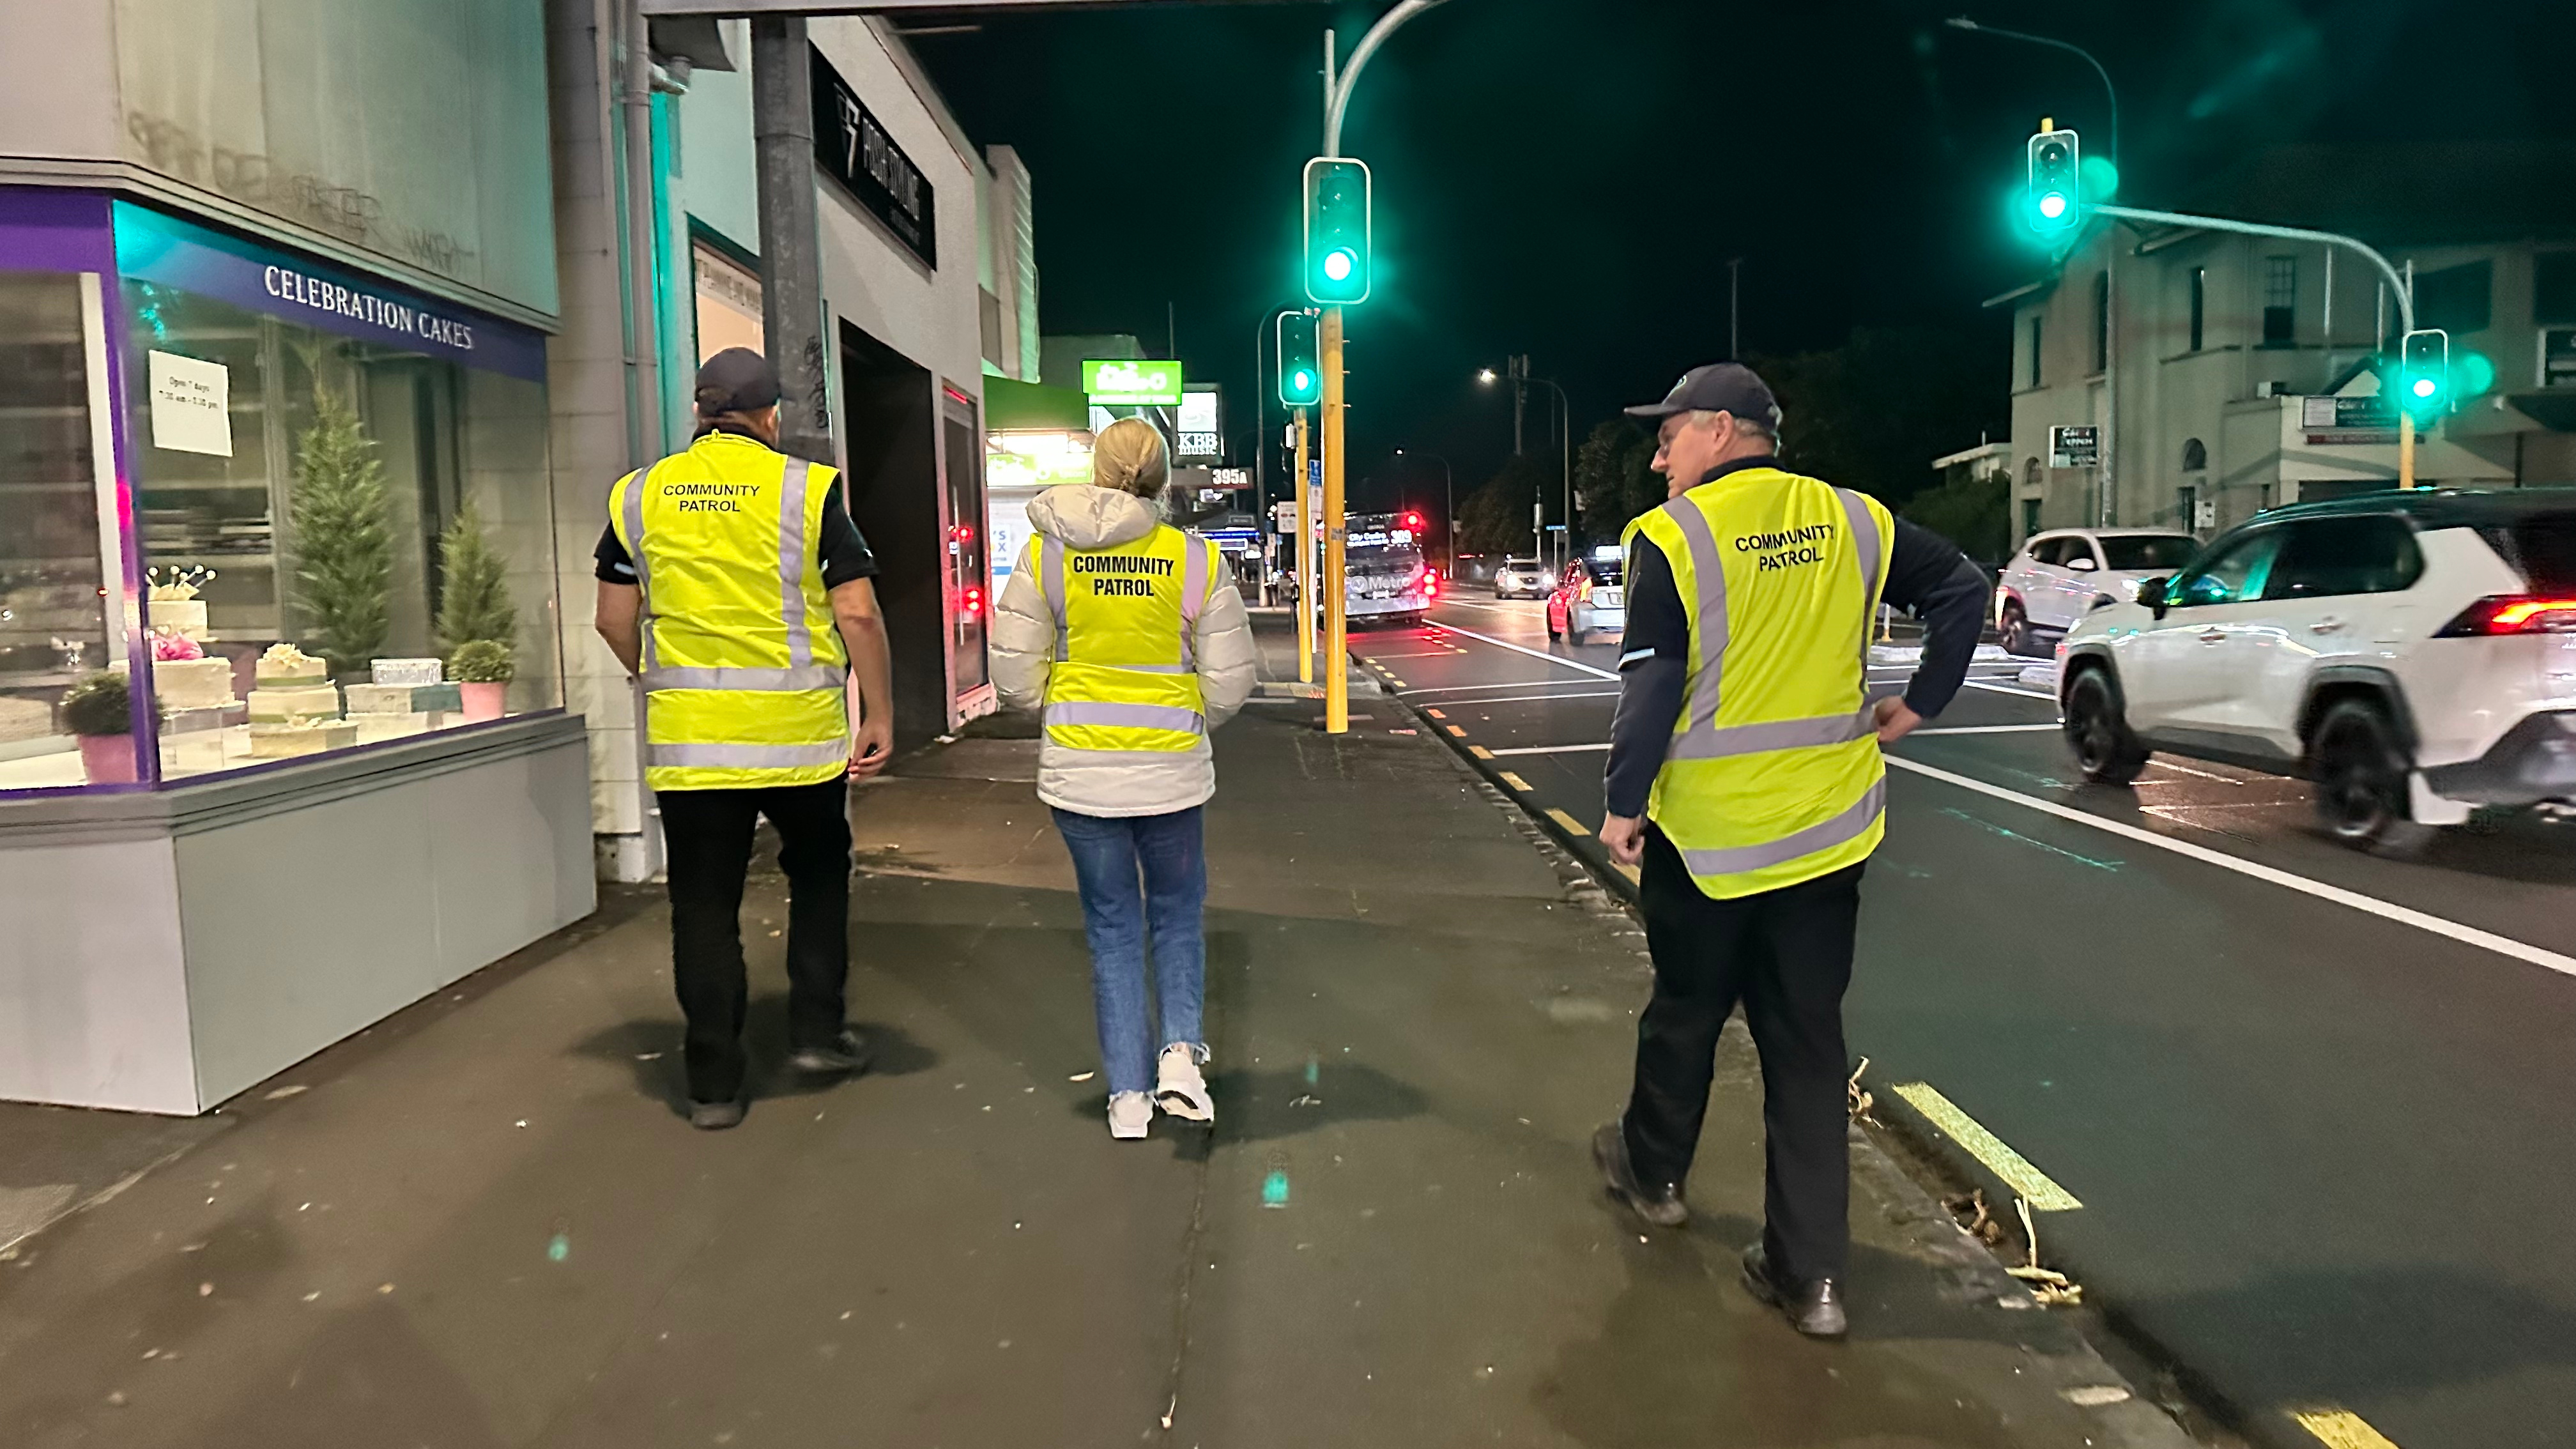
x=2413 y=654
x=1523 y=578
x=2057 y=577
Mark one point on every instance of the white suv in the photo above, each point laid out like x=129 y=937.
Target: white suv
x=2057 y=577
x=2413 y=654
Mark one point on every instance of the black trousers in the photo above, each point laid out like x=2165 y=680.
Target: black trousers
x=1787 y=955
x=708 y=838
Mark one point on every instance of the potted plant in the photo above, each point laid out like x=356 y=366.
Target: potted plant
x=99 y=712
x=482 y=669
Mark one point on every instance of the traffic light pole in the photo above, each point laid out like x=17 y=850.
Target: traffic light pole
x=1337 y=654
x=1305 y=560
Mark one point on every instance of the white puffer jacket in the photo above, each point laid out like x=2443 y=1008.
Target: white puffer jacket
x=1081 y=516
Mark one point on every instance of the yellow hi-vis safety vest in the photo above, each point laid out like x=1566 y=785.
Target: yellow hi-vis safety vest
x=1773 y=774
x=1125 y=676
x=743 y=667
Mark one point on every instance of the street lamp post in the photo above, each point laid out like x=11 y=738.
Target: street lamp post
x=2110 y=293
x=1565 y=440
x=1449 y=507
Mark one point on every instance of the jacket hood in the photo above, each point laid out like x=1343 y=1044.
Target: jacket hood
x=1081 y=515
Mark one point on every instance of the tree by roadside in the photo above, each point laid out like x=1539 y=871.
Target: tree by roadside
x=1973 y=511
x=1614 y=480
x=1873 y=413
x=1495 y=519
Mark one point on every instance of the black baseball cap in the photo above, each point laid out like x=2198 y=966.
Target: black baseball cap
x=736 y=380
x=1719 y=387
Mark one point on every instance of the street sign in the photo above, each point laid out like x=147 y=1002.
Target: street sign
x=1229 y=477
x=1132 y=383
x=2074 y=446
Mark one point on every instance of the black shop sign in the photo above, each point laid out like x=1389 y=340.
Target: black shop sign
x=856 y=151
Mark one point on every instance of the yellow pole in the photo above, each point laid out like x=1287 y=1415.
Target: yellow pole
x=1337 y=653
x=2405 y=449
x=1305 y=562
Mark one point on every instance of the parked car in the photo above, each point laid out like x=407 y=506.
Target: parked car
x=1523 y=578
x=1589 y=600
x=2413 y=654
x=2057 y=577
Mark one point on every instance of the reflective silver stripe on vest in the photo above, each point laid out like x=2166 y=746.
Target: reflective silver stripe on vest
x=815 y=677
x=1785 y=734
x=1708 y=571
x=1150 y=668
x=1051 y=566
x=747 y=757
x=633 y=508
x=1865 y=539
x=791 y=564
x=1125 y=716
x=1842 y=829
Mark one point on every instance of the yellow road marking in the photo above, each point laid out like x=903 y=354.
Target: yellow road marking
x=1480 y=752
x=2341 y=1429
x=1629 y=871
x=1569 y=822
x=1458 y=730
x=1515 y=781
x=1398 y=683
x=2043 y=1195
x=1435 y=714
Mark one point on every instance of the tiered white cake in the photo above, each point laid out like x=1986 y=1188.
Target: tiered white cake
x=292 y=686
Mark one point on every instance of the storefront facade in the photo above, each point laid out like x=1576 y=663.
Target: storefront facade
x=282 y=738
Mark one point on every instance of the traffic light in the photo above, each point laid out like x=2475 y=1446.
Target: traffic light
x=2054 y=180
x=1337 y=231
x=1301 y=373
x=2424 y=372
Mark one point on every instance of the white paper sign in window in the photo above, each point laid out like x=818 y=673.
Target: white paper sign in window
x=191 y=405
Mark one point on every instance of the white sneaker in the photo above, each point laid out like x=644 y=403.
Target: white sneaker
x=1129 y=1112
x=1178 y=1087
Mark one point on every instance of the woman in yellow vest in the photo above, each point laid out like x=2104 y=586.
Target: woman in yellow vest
x=1127 y=635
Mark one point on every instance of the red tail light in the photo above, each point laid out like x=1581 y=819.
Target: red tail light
x=2501 y=614
x=974 y=603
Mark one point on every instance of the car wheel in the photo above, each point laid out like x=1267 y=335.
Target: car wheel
x=2106 y=750
x=2014 y=628
x=2360 y=773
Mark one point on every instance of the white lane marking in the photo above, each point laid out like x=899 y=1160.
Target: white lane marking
x=2368 y=905
x=2198 y=774
x=1533 y=653
x=2007 y=689
x=1553 y=750
x=1525 y=698
x=1418 y=654
x=2019 y=729
x=1509 y=684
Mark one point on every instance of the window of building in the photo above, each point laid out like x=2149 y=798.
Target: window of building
x=2280 y=301
x=2456 y=299
x=2030 y=378
x=728 y=302
x=2030 y=511
x=2195 y=455
x=2553 y=287
x=2102 y=322
x=2187 y=507
x=2199 y=304
x=2030 y=472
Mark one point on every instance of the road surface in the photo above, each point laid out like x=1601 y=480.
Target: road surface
x=2313 y=1104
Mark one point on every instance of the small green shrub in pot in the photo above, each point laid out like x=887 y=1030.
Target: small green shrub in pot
x=482 y=661
x=100 y=704
x=482 y=669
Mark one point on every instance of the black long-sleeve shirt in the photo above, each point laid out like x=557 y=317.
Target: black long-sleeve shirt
x=1926 y=574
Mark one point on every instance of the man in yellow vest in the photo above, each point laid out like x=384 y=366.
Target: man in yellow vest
x=733 y=584
x=1745 y=780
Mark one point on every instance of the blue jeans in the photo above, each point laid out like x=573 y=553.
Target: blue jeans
x=1137 y=873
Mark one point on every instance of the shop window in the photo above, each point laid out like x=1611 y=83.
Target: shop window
x=2195 y=455
x=2280 y=301
x=2199 y=305
x=2456 y=299
x=2553 y=288
x=63 y=716
x=2101 y=322
x=729 y=304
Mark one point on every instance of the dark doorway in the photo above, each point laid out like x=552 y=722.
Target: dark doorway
x=967 y=579
x=894 y=498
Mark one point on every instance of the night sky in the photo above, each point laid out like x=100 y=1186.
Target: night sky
x=1568 y=178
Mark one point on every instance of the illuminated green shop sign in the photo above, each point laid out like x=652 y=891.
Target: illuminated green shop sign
x=1132 y=384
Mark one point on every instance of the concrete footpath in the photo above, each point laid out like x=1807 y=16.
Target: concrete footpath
x=482 y=1225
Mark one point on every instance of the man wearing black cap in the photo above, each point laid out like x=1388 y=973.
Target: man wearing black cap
x=733 y=584
x=1745 y=781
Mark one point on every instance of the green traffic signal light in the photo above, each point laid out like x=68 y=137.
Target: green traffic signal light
x=2055 y=179
x=1301 y=372
x=1337 y=231
x=2424 y=372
